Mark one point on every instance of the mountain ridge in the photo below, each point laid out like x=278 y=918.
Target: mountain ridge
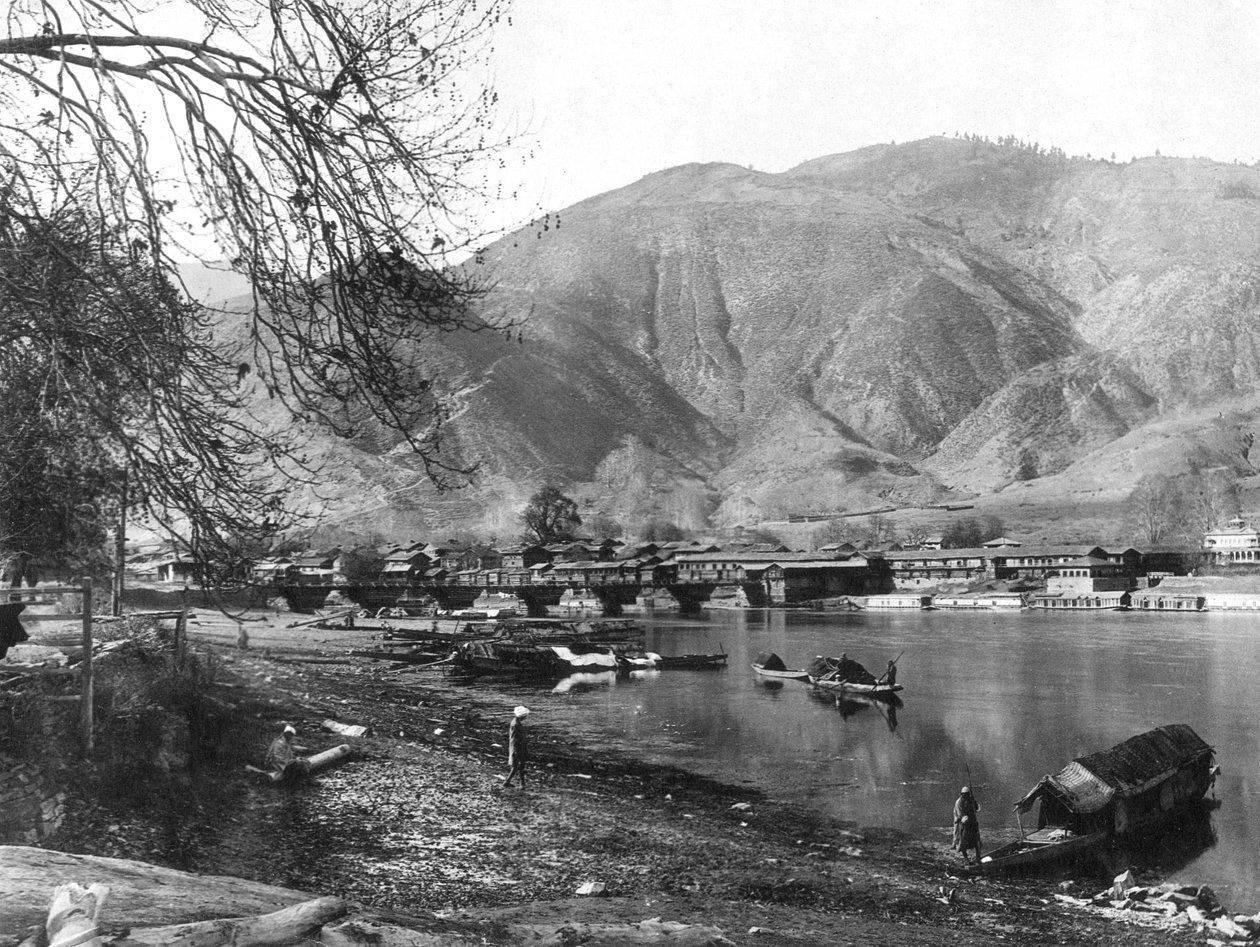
x=902 y=324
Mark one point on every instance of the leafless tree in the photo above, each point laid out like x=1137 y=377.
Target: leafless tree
x=326 y=150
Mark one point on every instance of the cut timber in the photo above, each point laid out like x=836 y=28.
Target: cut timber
x=345 y=729
x=286 y=926
x=140 y=894
x=330 y=757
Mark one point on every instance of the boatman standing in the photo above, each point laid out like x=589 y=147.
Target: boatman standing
x=890 y=676
x=966 y=824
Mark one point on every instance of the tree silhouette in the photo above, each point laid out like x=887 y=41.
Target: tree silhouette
x=550 y=516
x=324 y=150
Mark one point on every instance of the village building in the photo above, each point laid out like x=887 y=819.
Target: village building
x=523 y=556
x=317 y=568
x=405 y=566
x=1237 y=541
x=798 y=581
x=927 y=568
x=273 y=571
x=1087 y=583
x=1040 y=562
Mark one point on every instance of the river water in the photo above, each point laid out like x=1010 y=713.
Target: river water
x=993 y=699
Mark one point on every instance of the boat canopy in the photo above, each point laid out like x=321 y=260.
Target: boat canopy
x=771 y=661
x=1089 y=783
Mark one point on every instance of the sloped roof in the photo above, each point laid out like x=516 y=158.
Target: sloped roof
x=1089 y=783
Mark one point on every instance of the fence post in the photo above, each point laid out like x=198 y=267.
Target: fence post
x=85 y=703
x=181 y=631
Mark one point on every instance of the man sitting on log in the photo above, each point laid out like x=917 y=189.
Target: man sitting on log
x=283 y=761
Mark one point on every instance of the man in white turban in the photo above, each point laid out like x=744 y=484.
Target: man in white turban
x=518 y=746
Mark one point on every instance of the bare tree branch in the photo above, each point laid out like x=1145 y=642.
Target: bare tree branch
x=327 y=151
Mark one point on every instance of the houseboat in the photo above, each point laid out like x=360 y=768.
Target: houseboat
x=1081 y=601
x=1010 y=602
x=1121 y=792
x=898 y=602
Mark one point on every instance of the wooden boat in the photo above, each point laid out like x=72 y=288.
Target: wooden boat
x=844 y=676
x=769 y=664
x=650 y=660
x=1043 y=847
x=533 y=659
x=1118 y=793
x=857 y=688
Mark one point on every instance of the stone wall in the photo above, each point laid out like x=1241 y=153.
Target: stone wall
x=30 y=809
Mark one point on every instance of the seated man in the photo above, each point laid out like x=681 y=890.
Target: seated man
x=283 y=761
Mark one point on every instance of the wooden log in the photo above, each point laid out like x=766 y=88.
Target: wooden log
x=286 y=926
x=345 y=729
x=140 y=894
x=330 y=757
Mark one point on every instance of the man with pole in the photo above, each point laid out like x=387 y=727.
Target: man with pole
x=966 y=824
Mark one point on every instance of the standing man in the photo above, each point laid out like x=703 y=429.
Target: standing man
x=966 y=824
x=518 y=746
x=890 y=675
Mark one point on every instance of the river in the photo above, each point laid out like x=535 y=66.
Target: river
x=994 y=699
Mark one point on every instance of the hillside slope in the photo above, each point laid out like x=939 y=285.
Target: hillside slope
x=715 y=345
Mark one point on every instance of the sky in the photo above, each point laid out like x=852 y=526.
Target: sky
x=607 y=91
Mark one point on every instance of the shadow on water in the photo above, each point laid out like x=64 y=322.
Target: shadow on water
x=1173 y=846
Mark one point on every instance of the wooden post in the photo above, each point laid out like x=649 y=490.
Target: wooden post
x=120 y=550
x=181 y=637
x=85 y=705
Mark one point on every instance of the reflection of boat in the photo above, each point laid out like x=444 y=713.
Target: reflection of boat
x=1119 y=793
x=769 y=664
x=584 y=680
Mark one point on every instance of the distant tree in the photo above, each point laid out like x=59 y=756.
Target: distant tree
x=759 y=534
x=1154 y=511
x=362 y=563
x=834 y=531
x=658 y=531
x=602 y=526
x=969 y=532
x=1026 y=464
x=550 y=516
x=876 y=530
x=1210 y=501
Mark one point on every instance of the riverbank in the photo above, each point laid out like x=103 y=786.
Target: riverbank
x=418 y=822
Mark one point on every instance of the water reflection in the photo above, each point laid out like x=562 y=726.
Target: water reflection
x=996 y=701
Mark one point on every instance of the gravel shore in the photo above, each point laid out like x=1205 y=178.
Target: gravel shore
x=419 y=822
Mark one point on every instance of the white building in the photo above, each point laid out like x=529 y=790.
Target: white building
x=1236 y=541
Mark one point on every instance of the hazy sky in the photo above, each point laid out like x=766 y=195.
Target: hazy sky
x=615 y=89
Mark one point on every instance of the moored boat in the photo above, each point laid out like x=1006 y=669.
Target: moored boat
x=650 y=659
x=1117 y=793
x=769 y=664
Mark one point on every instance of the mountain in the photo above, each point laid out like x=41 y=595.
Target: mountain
x=901 y=326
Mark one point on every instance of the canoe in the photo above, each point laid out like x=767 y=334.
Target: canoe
x=851 y=687
x=1043 y=847
x=769 y=664
x=691 y=661
x=787 y=674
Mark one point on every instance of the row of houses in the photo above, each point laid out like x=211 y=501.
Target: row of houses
x=833 y=570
